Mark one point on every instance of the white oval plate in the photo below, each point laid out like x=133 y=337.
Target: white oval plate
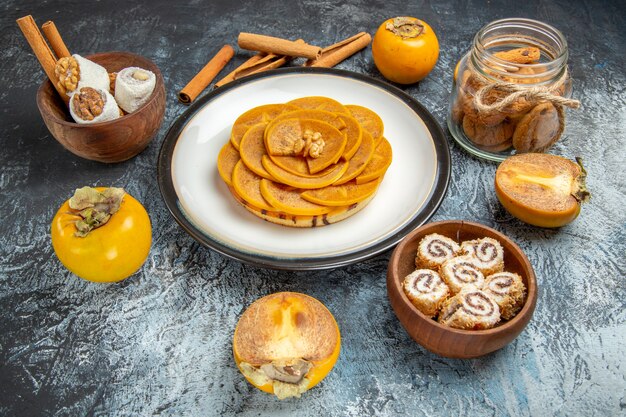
x=201 y=203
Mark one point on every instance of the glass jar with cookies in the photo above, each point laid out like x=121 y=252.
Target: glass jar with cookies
x=511 y=89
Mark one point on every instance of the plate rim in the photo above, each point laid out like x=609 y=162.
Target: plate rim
x=432 y=202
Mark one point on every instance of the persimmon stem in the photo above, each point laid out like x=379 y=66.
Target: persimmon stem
x=405 y=27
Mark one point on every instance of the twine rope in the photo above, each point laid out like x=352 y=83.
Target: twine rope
x=533 y=95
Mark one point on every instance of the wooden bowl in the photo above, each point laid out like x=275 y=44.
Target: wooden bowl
x=113 y=141
x=447 y=341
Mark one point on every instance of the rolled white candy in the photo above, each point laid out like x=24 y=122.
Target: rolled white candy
x=133 y=87
x=91 y=74
x=110 y=111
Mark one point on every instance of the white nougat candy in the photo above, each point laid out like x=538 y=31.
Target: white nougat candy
x=91 y=74
x=109 y=109
x=133 y=87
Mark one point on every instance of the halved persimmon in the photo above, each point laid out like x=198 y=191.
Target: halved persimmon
x=287 y=199
x=541 y=189
x=379 y=163
x=286 y=343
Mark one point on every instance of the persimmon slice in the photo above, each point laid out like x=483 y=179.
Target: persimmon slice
x=341 y=195
x=331 y=118
x=281 y=139
x=379 y=163
x=288 y=199
x=319 y=103
x=297 y=181
x=294 y=164
x=260 y=114
x=368 y=120
x=359 y=161
x=354 y=135
x=252 y=149
x=337 y=214
x=247 y=185
x=226 y=161
x=286 y=336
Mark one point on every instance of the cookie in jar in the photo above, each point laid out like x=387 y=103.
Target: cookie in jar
x=511 y=89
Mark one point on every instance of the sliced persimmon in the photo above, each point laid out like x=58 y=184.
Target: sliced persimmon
x=379 y=163
x=252 y=149
x=319 y=103
x=368 y=120
x=247 y=185
x=337 y=214
x=295 y=164
x=226 y=161
x=288 y=200
x=281 y=139
x=341 y=195
x=259 y=114
x=331 y=118
x=359 y=161
x=354 y=135
x=286 y=177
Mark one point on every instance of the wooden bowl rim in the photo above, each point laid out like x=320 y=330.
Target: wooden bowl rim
x=153 y=96
x=521 y=315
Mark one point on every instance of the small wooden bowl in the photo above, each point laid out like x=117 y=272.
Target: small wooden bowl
x=443 y=340
x=113 y=141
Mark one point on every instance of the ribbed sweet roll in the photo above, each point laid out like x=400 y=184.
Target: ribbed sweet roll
x=471 y=309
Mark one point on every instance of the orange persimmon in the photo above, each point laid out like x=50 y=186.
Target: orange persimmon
x=405 y=49
x=286 y=343
x=541 y=189
x=98 y=250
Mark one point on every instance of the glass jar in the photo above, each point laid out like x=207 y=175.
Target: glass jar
x=481 y=119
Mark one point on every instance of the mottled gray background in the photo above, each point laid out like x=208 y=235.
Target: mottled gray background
x=159 y=343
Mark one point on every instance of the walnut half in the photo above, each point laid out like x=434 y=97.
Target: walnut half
x=88 y=103
x=313 y=144
x=68 y=73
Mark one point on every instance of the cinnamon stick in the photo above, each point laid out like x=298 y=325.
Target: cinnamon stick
x=257 y=63
x=206 y=75
x=54 y=38
x=278 y=46
x=334 y=54
x=41 y=50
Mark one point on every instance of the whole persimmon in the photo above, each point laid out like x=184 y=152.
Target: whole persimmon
x=101 y=234
x=405 y=49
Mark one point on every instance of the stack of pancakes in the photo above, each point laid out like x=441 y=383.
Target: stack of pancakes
x=298 y=190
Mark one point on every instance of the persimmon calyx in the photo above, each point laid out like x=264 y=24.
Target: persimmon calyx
x=405 y=27
x=581 y=194
x=94 y=207
x=288 y=377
